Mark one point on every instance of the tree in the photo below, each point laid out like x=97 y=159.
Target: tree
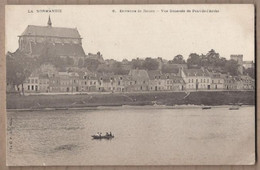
x=69 y=61
x=231 y=67
x=204 y=61
x=81 y=63
x=212 y=57
x=221 y=62
x=103 y=68
x=137 y=63
x=91 y=64
x=150 y=64
x=250 y=72
x=169 y=68
x=194 y=61
x=118 y=69
x=178 y=59
x=15 y=71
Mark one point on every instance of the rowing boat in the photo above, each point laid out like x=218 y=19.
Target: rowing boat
x=102 y=137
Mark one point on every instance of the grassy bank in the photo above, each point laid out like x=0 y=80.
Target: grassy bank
x=116 y=99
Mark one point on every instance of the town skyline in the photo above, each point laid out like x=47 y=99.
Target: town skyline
x=123 y=40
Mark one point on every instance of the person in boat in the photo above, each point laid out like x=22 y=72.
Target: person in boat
x=107 y=134
x=110 y=134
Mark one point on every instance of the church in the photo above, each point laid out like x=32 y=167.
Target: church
x=57 y=41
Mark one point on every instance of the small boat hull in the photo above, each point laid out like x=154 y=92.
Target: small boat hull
x=206 y=107
x=233 y=108
x=102 y=137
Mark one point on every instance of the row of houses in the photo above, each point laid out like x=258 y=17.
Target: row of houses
x=136 y=81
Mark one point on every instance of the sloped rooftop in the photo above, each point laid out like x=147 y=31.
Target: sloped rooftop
x=195 y=72
x=139 y=74
x=33 y=30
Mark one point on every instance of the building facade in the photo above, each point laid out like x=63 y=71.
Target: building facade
x=52 y=41
x=196 y=79
x=136 y=81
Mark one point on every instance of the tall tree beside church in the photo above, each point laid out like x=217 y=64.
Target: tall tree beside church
x=18 y=68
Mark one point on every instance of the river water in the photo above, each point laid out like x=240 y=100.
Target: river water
x=143 y=136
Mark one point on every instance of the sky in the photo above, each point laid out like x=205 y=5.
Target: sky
x=144 y=30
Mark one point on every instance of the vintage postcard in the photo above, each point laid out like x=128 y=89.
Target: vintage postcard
x=130 y=85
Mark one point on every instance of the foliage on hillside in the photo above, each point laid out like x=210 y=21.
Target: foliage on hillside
x=20 y=65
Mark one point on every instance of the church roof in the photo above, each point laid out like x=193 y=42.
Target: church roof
x=49 y=31
x=58 y=49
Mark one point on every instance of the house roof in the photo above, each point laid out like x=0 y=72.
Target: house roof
x=91 y=77
x=195 y=72
x=33 y=30
x=139 y=74
x=58 y=49
x=246 y=77
x=154 y=74
x=68 y=74
x=43 y=76
x=106 y=79
x=177 y=79
x=216 y=75
x=248 y=62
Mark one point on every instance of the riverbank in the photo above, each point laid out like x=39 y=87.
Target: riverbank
x=210 y=98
